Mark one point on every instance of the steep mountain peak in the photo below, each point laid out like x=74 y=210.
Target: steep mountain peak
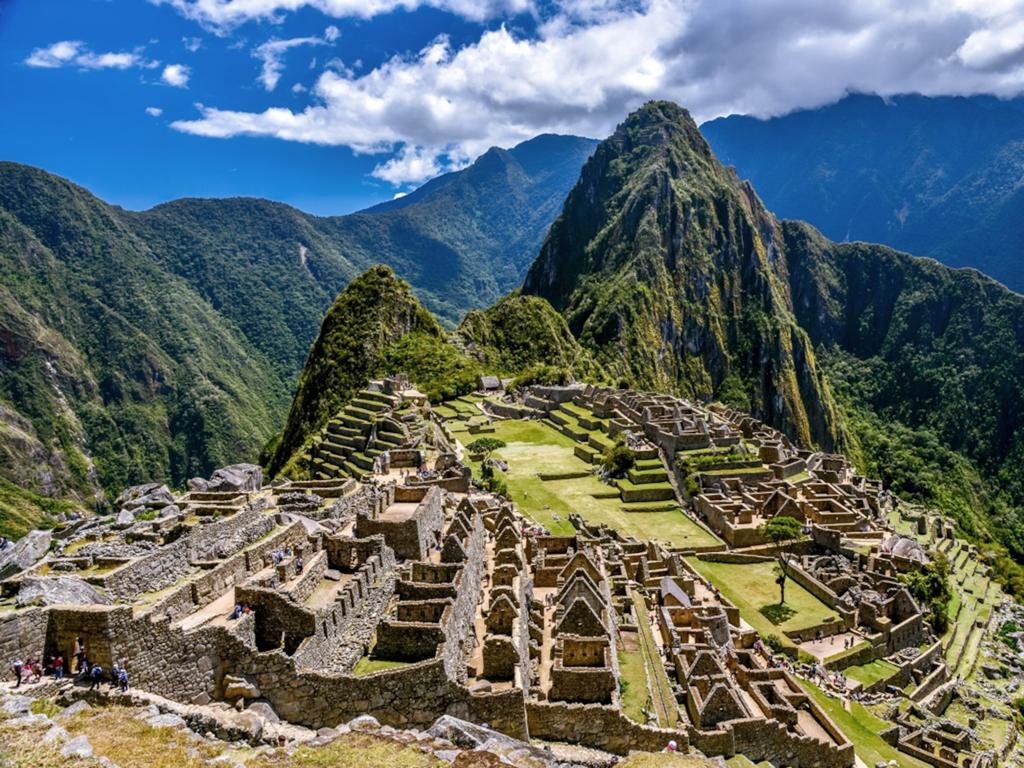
x=673 y=272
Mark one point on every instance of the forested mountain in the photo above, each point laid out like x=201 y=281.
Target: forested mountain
x=111 y=369
x=161 y=344
x=672 y=272
x=937 y=177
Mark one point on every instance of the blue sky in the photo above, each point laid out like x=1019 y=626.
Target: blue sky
x=333 y=105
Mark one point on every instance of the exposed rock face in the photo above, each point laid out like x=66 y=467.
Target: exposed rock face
x=60 y=590
x=298 y=502
x=674 y=274
x=24 y=553
x=237 y=477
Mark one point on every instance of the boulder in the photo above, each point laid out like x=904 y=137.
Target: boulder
x=24 y=553
x=364 y=723
x=58 y=590
x=171 y=510
x=125 y=519
x=137 y=491
x=198 y=484
x=79 y=747
x=158 y=499
x=55 y=734
x=237 y=477
x=168 y=720
x=79 y=706
x=239 y=687
x=264 y=710
x=17 y=705
x=469 y=736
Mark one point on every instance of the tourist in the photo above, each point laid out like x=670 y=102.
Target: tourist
x=671 y=747
x=298 y=564
x=17 y=672
x=96 y=675
x=122 y=680
x=236 y=613
x=37 y=671
x=58 y=667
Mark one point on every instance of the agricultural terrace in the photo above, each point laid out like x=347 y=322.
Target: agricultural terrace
x=548 y=482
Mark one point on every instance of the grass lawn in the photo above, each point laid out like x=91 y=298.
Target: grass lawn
x=532 y=447
x=862 y=729
x=869 y=674
x=664 y=702
x=751 y=587
x=633 y=673
x=367 y=666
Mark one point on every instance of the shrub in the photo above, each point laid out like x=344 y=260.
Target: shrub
x=485 y=445
x=618 y=459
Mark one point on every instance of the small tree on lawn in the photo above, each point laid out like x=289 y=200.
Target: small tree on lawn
x=783 y=531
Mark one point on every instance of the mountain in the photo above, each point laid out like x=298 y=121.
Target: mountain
x=672 y=272
x=377 y=327
x=462 y=240
x=161 y=344
x=112 y=370
x=937 y=177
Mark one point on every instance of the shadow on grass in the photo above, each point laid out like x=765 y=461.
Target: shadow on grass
x=777 y=613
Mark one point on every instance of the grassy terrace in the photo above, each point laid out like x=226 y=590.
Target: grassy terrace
x=862 y=729
x=751 y=588
x=663 y=700
x=534 y=447
x=869 y=674
x=633 y=675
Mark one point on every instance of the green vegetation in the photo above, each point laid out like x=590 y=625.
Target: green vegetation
x=118 y=370
x=663 y=699
x=485 y=445
x=751 y=587
x=524 y=335
x=367 y=666
x=618 y=459
x=783 y=532
x=869 y=674
x=930 y=587
x=862 y=728
x=633 y=685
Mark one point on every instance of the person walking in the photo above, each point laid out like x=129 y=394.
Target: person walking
x=17 y=672
x=96 y=674
x=122 y=680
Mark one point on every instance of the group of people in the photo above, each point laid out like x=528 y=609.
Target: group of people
x=240 y=610
x=32 y=670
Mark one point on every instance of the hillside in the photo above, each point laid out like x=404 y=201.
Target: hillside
x=937 y=177
x=667 y=268
x=462 y=241
x=112 y=370
x=672 y=272
x=160 y=344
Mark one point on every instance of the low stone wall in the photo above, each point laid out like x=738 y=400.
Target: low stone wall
x=22 y=634
x=596 y=726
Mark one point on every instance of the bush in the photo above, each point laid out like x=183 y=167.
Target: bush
x=618 y=459
x=542 y=373
x=774 y=642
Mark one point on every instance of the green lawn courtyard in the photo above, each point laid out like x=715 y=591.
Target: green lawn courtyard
x=751 y=587
x=534 y=448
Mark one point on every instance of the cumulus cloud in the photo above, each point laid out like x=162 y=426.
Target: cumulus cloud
x=176 y=75
x=75 y=53
x=192 y=44
x=590 y=64
x=272 y=52
x=223 y=15
x=154 y=111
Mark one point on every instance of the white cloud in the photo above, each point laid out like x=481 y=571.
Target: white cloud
x=154 y=111
x=223 y=15
x=412 y=165
x=272 y=52
x=399 y=195
x=176 y=75
x=298 y=88
x=192 y=44
x=591 y=64
x=75 y=53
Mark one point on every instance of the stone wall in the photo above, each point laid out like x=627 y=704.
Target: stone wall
x=596 y=726
x=412 y=538
x=174 y=561
x=22 y=634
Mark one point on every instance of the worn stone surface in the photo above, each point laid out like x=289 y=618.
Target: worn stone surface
x=59 y=590
x=24 y=553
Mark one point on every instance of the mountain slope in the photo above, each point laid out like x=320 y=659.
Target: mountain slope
x=673 y=274
x=112 y=370
x=462 y=241
x=937 y=177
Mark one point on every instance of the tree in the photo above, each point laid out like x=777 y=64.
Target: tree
x=618 y=458
x=783 y=531
x=930 y=587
